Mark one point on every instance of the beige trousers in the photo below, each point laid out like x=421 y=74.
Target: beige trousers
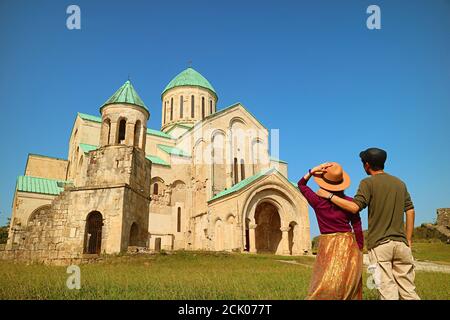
x=396 y=270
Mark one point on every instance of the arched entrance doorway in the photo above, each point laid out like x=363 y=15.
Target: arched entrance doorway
x=267 y=234
x=134 y=235
x=93 y=233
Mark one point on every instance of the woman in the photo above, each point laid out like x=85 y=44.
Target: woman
x=337 y=272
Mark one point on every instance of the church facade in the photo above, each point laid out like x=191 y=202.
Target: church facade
x=204 y=181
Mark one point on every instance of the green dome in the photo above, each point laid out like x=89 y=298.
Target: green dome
x=126 y=94
x=190 y=77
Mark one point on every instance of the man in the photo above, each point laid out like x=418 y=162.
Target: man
x=388 y=243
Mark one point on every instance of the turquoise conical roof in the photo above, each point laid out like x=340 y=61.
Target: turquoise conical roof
x=126 y=94
x=189 y=77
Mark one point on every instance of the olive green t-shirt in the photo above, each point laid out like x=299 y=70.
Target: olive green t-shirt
x=387 y=198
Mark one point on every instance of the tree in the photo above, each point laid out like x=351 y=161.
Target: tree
x=4 y=232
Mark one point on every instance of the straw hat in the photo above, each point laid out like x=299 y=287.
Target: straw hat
x=335 y=179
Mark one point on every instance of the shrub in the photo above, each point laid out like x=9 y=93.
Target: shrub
x=4 y=233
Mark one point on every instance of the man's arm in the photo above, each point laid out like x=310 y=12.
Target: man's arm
x=345 y=204
x=410 y=214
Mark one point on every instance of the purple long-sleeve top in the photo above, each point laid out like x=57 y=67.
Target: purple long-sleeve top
x=330 y=217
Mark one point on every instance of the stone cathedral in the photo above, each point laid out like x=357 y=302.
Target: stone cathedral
x=204 y=181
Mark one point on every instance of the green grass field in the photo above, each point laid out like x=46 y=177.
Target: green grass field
x=183 y=275
x=437 y=252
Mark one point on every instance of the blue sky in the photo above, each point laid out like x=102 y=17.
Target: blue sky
x=309 y=68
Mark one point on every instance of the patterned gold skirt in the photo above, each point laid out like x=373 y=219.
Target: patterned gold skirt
x=337 y=272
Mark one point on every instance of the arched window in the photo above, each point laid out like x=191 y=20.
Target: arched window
x=77 y=151
x=41 y=211
x=105 y=131
x=134 y=235
x=235 y=169
x=137 y=133
x=157 y=186
x=108 y=131
x=75 y=159
x=164 y=111
x=242 y=169
x=192 y=107
x=210 y=107
x=171 y=109
x=181 y=106
x=122 y=129
x=179 y=220
x=75 y=135
x=203 y=108
x=218 y=180
x=69 y=167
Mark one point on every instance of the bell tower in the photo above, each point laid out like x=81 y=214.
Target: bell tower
x=124 y=119
x=118 y=173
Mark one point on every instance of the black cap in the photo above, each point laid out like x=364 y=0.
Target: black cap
x=375 y=157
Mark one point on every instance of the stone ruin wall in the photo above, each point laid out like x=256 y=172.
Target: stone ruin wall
x=443 y=217
x=441 y=229
x=44 y=239
x=56 y=236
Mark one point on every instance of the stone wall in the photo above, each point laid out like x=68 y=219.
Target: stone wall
x=135 y=210
x=46 y=167
x=25 y=204
x=44 y=239
x=443 y=217
x=83 y=131
x=439 y=230
x=116 y=185
x=115 y=165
